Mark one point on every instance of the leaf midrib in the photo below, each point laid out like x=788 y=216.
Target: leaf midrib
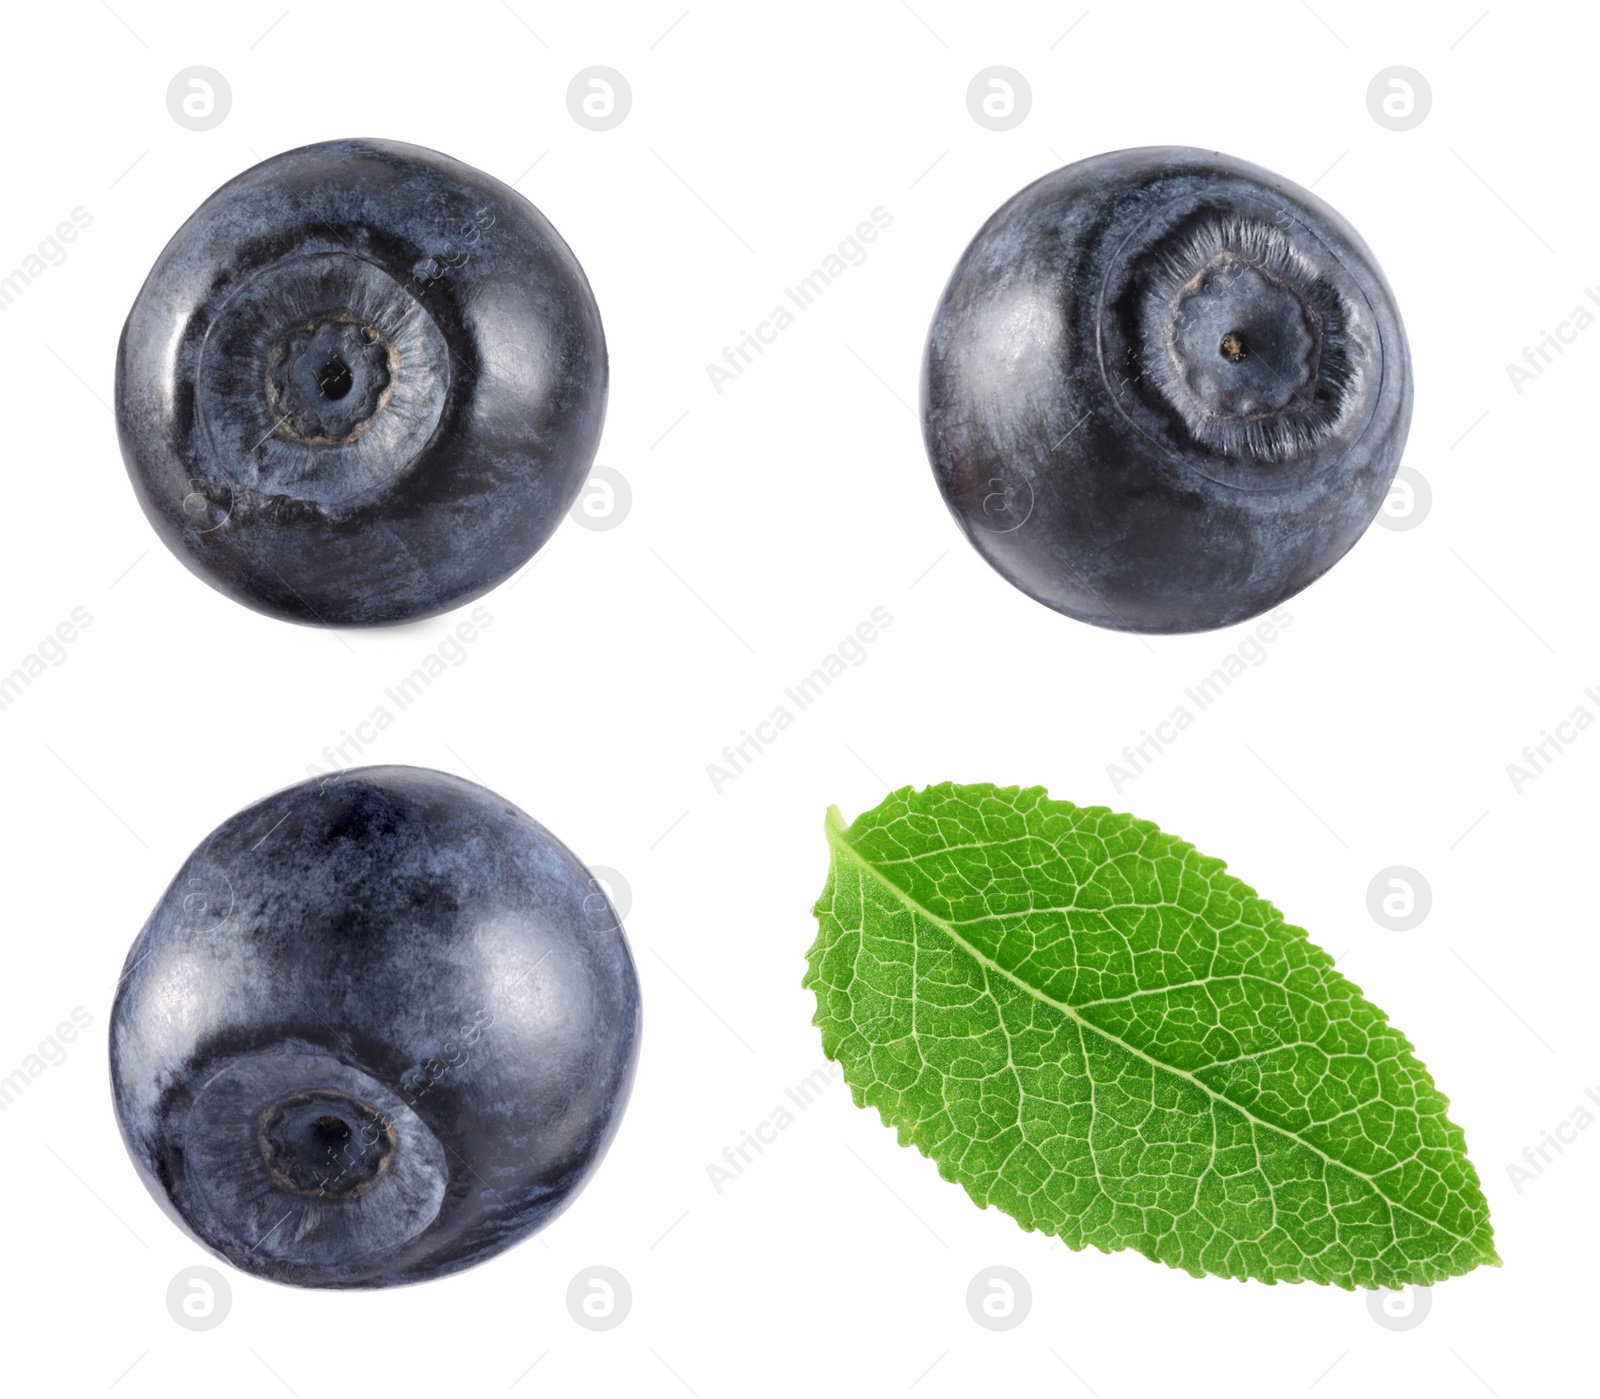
x=837 y=834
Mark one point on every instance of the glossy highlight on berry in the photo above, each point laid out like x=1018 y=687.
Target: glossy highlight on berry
x=381 y=1027
x=362 y=384
x=1165 y=390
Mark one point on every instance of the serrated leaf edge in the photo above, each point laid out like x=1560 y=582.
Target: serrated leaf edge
x=837 y=832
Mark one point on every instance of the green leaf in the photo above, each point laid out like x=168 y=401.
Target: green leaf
x=1092 y=1026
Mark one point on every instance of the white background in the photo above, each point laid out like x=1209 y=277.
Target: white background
x=766 y=523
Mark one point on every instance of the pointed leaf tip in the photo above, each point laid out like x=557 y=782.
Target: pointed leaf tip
x=1092 y=1026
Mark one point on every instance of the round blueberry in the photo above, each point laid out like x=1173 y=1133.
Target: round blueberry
x=1164 y=390
x=381 y=1026
x=362 y=384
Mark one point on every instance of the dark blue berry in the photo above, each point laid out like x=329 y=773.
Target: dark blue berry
x=1164 y=390
x=381 y=1027
x=363 y=383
